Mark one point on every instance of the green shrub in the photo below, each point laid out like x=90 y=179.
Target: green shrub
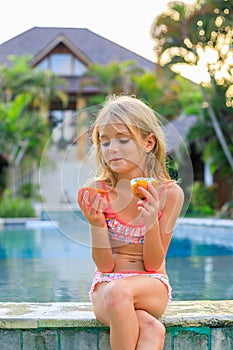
x=204 y=200
x=18 y=207
x=29 y=190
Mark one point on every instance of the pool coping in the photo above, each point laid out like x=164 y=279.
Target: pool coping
x=36 y=221
x=29 y=222
x=193 y=313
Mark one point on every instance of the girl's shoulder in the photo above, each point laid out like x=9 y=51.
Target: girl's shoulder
x=171 y=184
x=167 y=185
x=174 y=191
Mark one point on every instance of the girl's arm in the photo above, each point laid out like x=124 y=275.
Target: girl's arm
x=101 y=249
x=102 y=253
x=172 y=208
x=158 y=233
x=153 y=251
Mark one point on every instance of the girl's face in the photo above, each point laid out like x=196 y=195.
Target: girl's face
x=121 y=153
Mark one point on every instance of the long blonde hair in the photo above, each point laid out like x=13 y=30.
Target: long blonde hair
x=136 y=115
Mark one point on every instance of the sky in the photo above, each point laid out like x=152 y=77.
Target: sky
x=125 y=22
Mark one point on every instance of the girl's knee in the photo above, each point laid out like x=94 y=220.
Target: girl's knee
x=150 y=326
x=117 y=294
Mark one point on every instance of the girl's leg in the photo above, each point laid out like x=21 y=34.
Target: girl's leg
x=152 y=332
x=117 y=304
x=119 y=314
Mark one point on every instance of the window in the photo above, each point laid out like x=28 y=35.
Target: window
x=44 y=64
x=63 y=64
x=79 y=67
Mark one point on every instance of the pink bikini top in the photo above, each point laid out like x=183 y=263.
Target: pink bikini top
x=119 y=230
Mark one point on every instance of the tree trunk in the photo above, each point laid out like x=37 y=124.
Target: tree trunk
x=218 y=129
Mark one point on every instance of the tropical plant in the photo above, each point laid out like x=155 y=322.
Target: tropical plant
x=20 y=77
x=201 y=35
x=153 y=91
x=168 y=93
x=21 y=131
x=25 y=94
x=158 y=90
x=116 y=77
x=204 y=199
x=15 y=207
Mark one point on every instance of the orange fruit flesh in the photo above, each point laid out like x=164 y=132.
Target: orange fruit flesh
x=141 y=183
x=92 y=192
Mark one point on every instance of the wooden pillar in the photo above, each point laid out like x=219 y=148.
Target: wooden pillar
x=81 y=127
x=224 y=189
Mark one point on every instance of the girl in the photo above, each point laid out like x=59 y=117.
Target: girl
x=130 y=236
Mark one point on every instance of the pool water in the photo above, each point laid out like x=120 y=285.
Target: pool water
x=41 y=264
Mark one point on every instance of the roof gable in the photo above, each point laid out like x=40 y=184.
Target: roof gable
x=60 y=39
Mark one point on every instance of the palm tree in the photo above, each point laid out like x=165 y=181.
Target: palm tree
x=21 y=131
x=160 y=91
x=20 y=78
x=116 y=77
x=185 y=34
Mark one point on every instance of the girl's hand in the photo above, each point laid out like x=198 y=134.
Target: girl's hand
x=93 y=212
x=149 y=207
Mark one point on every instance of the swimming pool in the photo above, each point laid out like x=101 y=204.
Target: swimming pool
x=42 y=264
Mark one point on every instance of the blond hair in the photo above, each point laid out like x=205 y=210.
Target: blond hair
x=137 y=116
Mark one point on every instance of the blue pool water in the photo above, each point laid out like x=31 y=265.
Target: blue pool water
x=42 y=264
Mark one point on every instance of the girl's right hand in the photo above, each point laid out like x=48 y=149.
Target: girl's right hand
x=93 y=212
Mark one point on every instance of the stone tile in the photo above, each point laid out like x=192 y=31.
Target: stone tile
x=167 y=343
x=222 y=338
x=40 y=340
x=214 y=313
x=18 y=323
x=188 y=340
x=78 y=340
x=10 y=340
x=104 y=340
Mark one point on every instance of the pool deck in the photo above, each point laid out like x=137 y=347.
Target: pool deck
x=197 y=313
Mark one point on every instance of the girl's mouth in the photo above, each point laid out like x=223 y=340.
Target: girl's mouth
x=115 y=159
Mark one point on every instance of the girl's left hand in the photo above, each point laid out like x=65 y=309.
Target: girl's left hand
x=149 y=207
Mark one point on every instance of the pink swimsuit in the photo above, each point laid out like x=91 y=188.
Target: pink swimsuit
x=129 y=234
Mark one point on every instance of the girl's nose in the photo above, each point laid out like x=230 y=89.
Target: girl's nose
x=113 y=146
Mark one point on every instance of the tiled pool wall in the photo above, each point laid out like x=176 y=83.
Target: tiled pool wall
x=190 y=325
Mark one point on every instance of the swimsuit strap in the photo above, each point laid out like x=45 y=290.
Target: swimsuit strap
x=105 y=189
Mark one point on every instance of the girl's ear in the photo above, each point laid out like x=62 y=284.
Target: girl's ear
x=150 y=142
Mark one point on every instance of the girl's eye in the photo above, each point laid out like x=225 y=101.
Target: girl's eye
x=105 y=143
x=124 y=140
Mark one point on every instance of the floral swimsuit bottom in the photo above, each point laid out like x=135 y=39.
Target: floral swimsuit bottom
x=100 y=277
